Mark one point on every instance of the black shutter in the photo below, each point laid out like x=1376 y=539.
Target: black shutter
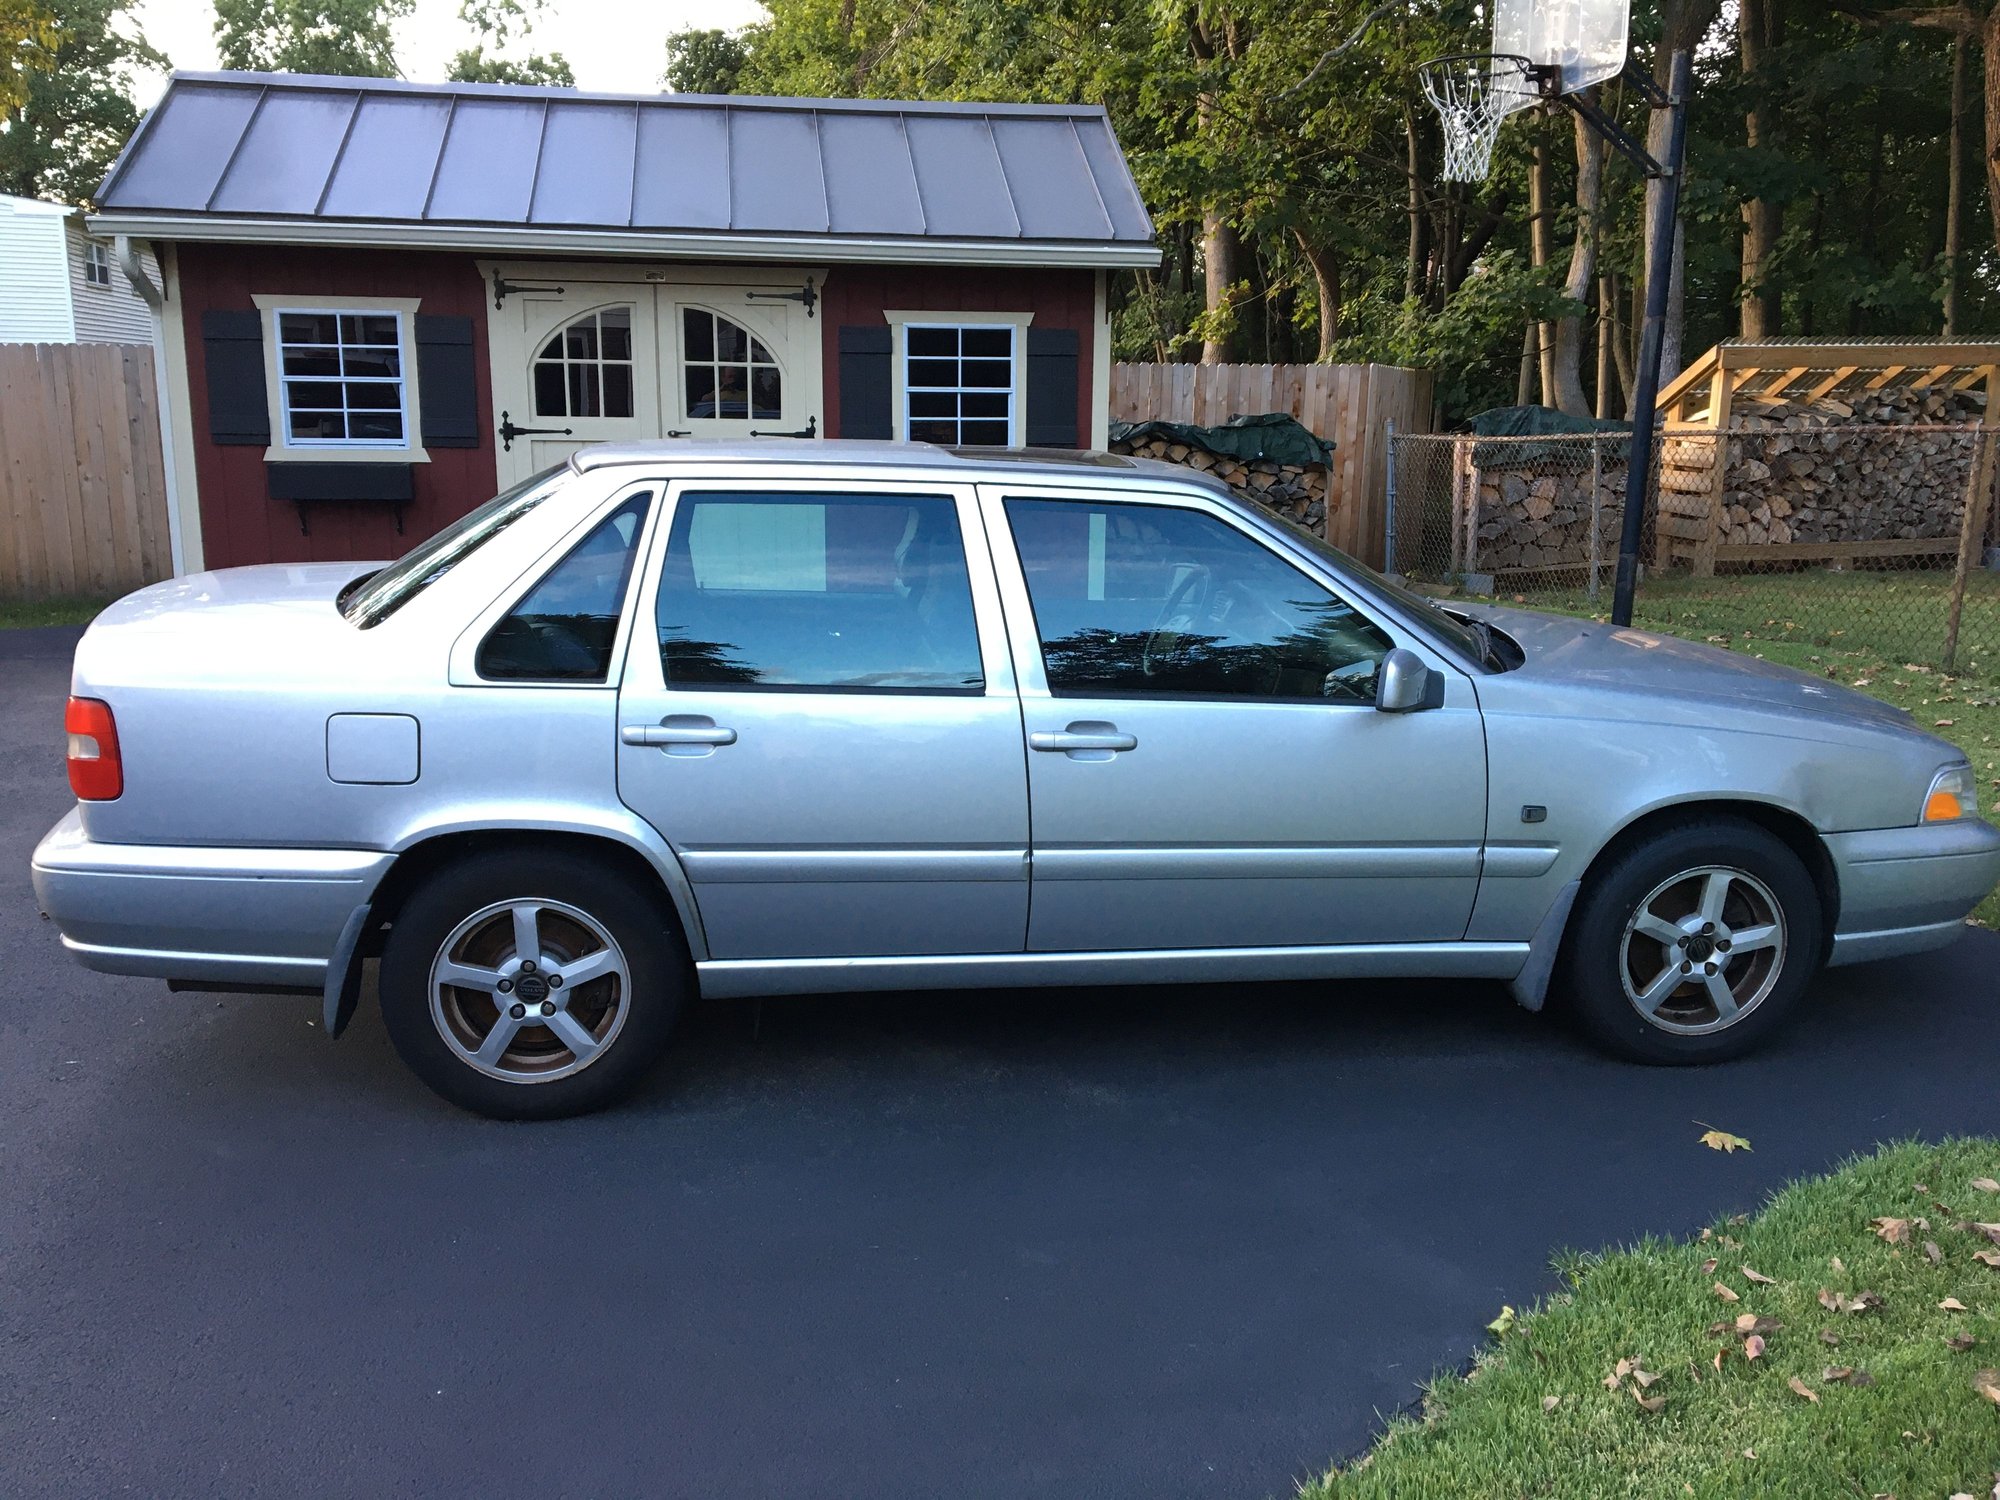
x=446 y=385
x=1052 y=357
x=239 y=410
x=865 y=383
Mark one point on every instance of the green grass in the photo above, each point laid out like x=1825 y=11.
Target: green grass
x=74 y=609
x=1866 y=630
x=1920 y=1429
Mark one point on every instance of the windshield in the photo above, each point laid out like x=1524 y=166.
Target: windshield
x=1453 y=628
x=383 y=593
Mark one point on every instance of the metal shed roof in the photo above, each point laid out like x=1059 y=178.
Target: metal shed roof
x=377 y=161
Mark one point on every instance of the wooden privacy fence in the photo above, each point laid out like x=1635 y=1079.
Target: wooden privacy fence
x=1348 y=404
x=83 y=496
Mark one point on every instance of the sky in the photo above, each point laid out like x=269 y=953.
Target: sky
x=617 y=46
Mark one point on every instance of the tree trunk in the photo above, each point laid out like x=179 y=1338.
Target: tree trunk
x=1566 y=356
x=1540 y=234
x=1954 y=209
x=1759 y=29
x=1608 y=336
x=1683 y=23
x=1413 y=278
x=1524 y=388
x=1218 y=262
x=1326 y=280
x=1989 y=58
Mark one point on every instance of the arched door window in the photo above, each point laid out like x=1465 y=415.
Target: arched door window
x=726 y=372
x=585 y=367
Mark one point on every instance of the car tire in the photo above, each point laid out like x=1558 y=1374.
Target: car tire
x=567 y=1031
x=1693 y=945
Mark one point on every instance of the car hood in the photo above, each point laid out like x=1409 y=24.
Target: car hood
x=240 y=623
x=1672 y=671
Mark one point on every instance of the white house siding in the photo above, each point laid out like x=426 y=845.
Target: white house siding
x=107 y=314
x=34 y=274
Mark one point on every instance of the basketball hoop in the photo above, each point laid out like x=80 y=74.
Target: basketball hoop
x=1472 y=93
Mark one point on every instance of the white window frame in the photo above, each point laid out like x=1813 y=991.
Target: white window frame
x=97 y=264
x=901 y=322
x=287 y=449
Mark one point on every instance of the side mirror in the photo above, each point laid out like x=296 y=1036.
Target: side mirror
x=1402 y=682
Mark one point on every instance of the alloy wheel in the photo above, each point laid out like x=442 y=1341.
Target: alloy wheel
x=1703 y=950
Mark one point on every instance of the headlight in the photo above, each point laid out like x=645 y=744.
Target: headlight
x=1952 y=795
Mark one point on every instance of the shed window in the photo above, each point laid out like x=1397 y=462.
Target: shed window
x=341 y=375
x=96 y=263
x=728 y=373
x=961 y=383
x=585 y=369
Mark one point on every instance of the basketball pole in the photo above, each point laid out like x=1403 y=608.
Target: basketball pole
x=1646 y=381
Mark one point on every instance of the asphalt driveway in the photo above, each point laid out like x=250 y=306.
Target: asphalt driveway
x=1130 y=1242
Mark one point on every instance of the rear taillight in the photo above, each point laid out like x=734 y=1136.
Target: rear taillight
x=96 y=774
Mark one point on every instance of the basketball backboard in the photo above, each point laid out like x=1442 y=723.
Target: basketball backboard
x=1585 y=39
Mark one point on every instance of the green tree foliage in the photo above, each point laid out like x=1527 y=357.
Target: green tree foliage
x=353 y=38
x=62 y=137
x=501 y=54
x=27 y=33
x=705 y=62
x=1291 y=145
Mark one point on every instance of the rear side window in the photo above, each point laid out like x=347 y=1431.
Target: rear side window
x=563 y=631
x=847 y=593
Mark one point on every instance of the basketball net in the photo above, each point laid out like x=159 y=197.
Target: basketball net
x=1473 y=93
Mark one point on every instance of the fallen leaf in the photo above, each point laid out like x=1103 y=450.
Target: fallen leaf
x=1921 y=1189
x=1960 y=1342
x=1828 y=1337
x=1988 y=1258
x=1757 y=1276
x=1618 y=1373
x=1952 y=1304
x=1801 y=1388
x=1839 y=1265
x=1644 y=1379
x=1991 y=1231
x=1836 y=1372
x=1753 y=1346
x=1986 y=1184
x=1708 y=1266
x=1725 y=1293
x=1655 y=1403
x=1503 y=1325
x=1718 y=1360
x=1931 y=1252
x=1739 y=1219
x=1943 y=724
x=1987 y=1384
x=1894 y=1231
x=1550 y=1403
x=1722 y=1140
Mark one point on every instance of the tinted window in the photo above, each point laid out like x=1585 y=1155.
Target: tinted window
x=818 y=591
x=1155 y=599
x=565 y=627
x=394 y=586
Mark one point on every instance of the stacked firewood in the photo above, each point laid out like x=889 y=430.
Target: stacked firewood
x=1298 y=492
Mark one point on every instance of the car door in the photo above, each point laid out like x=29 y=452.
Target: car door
x=1206 y=767
x=820 y=715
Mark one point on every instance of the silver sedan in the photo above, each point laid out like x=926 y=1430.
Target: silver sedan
x=754 y=720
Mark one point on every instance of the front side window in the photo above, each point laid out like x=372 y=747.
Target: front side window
x=376 y=597
x=726 y=371
x=341 y=379
x=584 y=369
x=959 y=384
x=96 y=263
x=828 y=592
x=564 y=630
x=1154 y=599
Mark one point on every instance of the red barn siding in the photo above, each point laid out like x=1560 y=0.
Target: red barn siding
x=240 y=522
x=1059 y=298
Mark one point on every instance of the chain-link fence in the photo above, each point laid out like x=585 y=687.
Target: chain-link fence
x=1859 y=540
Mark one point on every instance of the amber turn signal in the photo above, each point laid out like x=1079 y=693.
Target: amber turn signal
x=1953 y=795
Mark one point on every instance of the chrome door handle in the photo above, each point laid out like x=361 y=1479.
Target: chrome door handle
x=1083 y=737
x=670 y=733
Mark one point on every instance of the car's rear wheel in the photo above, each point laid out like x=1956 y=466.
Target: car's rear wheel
x=1693 y=945
x=531 y=986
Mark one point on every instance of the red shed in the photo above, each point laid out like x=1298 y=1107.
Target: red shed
x=382 y=301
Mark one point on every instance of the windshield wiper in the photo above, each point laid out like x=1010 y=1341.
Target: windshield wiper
x=1482 y=633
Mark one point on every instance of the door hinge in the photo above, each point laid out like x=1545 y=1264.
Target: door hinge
x=508 y=432
x=502 y=286
x=805 y=296
x=810 y=430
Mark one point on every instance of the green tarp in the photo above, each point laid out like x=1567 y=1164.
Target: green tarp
x=1543 y=421
x=1273 y=435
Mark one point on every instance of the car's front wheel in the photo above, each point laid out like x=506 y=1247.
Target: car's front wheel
x=1692 y=945
x=531 y=985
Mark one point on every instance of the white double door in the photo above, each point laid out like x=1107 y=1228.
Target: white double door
x=596 y=354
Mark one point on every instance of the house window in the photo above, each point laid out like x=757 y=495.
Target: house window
x=341 y=375
x=961 y=385
x=727 y=372
x=585 y=369
x=96 y=263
